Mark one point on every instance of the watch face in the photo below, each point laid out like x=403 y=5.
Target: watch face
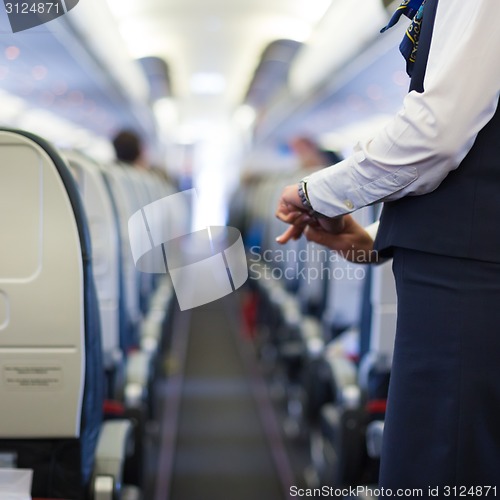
x=303 y=196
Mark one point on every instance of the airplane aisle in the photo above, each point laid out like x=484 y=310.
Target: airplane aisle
x=218 y=423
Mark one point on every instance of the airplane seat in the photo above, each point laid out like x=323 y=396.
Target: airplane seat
x=137 y=180
x=295 y=337
x=365 y=412
x=130 y=316
x=333 y=400
x=162 y=223
x=338 y=444
x=266 y=286
x=145 y=322
x=344 y=296
x=313 y=286
x=283 y=335
x=103 y=224
x=375 y=367
x=106 y=266
x=50 y=338
x=149 y=188
x=262 y=282
x=157 y=187
x=374 y=370
x=125 y=323
x=342 y=283
x=126 y=205
x=125 y=198
x=342 y=349
x=292 y=336
x=174 y=223
x=259 y=206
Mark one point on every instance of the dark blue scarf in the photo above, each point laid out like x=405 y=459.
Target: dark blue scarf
x=414 y=10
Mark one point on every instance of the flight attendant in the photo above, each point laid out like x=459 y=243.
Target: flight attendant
x=436 y=167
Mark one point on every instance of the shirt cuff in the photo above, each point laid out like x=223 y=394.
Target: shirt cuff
x=324 y=188
x=355 y=183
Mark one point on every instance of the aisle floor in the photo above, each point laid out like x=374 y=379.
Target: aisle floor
x=222 y=445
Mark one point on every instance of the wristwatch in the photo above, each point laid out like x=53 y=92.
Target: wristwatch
x=305 y=199
x=303 y=195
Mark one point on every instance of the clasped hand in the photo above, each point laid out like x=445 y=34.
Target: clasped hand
x=342 y=234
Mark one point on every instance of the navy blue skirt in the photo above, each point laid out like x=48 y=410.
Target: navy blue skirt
x=443 y=417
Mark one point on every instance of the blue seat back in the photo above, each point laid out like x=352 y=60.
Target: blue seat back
x=50 y=332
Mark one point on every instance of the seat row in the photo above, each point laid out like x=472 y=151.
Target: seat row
x=324 y=328
x=80 y=328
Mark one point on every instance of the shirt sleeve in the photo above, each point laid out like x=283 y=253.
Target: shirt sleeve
x=434 y=130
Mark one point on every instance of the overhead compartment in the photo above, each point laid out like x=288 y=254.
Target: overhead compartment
x=345 y=30
x=344 y=81
x=93 y=24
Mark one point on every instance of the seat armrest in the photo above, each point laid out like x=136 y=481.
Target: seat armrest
x=374 y=435
x=312 y=335
x=138 y=367
x=137 y=377
x=114 y=439
x=103 y=488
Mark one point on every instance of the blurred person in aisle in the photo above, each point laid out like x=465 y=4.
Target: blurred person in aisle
x=311 y=154
x=129 y=148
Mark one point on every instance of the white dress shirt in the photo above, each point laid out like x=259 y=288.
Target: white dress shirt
x=434 y=130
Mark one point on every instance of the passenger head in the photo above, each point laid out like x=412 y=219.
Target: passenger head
x=128 y=147
x=311 y=155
